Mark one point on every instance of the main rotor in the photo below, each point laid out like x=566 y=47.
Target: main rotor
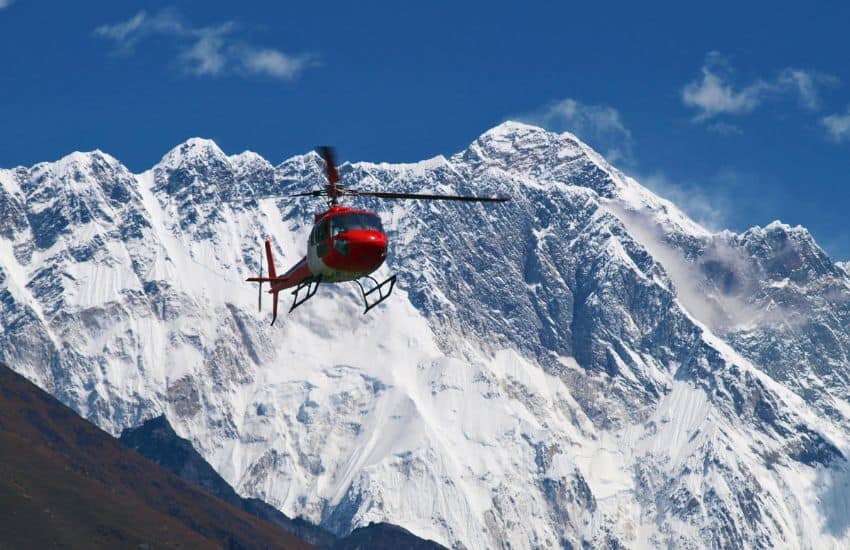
x=333 y=191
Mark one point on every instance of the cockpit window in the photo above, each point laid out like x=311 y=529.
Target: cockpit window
x=349 y=222
x=320 y=232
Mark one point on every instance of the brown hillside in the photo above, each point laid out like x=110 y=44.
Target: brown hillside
x=66 y=483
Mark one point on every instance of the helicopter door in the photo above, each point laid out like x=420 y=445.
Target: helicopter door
x=321 y=238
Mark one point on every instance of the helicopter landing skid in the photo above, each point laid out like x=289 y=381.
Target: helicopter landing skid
x=311 y=284
x=379 y=288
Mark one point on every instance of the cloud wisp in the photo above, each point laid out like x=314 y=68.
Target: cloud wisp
x=710 y=210
x=599 y=125
x=719 y=286
x=5 y=3
x=204 y=51
x=838 y=126
x=715 y=92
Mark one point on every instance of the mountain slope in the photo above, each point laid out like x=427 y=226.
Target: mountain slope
x=63 y=482
x=583 y=365
x=156 y=440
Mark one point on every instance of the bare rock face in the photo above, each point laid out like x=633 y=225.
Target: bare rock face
x=583 y=365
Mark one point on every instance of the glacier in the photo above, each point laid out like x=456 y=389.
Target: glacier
x=582 y=366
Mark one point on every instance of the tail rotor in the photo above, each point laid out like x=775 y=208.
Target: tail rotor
x=260 y=286
x=271 y=278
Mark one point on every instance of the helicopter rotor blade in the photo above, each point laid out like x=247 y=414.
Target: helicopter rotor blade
x=327 y=154
x=233 y=200
x=333 y=175
x=316 y=193
x=427 y=197
x=334 y=191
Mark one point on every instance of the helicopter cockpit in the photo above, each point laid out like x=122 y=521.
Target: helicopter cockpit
x=355 y=221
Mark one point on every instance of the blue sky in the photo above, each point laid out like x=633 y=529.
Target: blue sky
x=739 y=113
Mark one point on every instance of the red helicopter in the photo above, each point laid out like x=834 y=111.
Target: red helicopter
x=346 y=244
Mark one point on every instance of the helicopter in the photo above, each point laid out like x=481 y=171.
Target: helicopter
x=345 y=244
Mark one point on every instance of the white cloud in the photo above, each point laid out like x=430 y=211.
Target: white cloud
x=204 y=51
x=805 y=84
x=126 y=34
x=207 y=55
x=273 y=63
x=599 y=125
x=715 y=93
x=5 y=3
x=838 y=126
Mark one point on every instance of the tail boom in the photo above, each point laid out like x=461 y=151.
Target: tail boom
x=293 y=277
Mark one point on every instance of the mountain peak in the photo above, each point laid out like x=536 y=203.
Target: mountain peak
x=512 y=127
x=524 y=150
x=195 y=163
x=247 y=161
x=779 y=229
x=77 y=160
x=788 y=252
x=192 y=151
x=778 y=225
x=246 y=156
x=512 y=137
x=514 y=131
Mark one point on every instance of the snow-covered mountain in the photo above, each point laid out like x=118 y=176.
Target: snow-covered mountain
x=582 y=365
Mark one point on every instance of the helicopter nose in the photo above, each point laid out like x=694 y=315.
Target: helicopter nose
x=363 y=250
x=371 y=245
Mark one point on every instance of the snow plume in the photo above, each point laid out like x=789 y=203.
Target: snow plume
x=716 y=93
x=681 y=272
x=601 y=125
x=712 y=212
x=729 y=278
x=714 y=286
x=205 y=51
